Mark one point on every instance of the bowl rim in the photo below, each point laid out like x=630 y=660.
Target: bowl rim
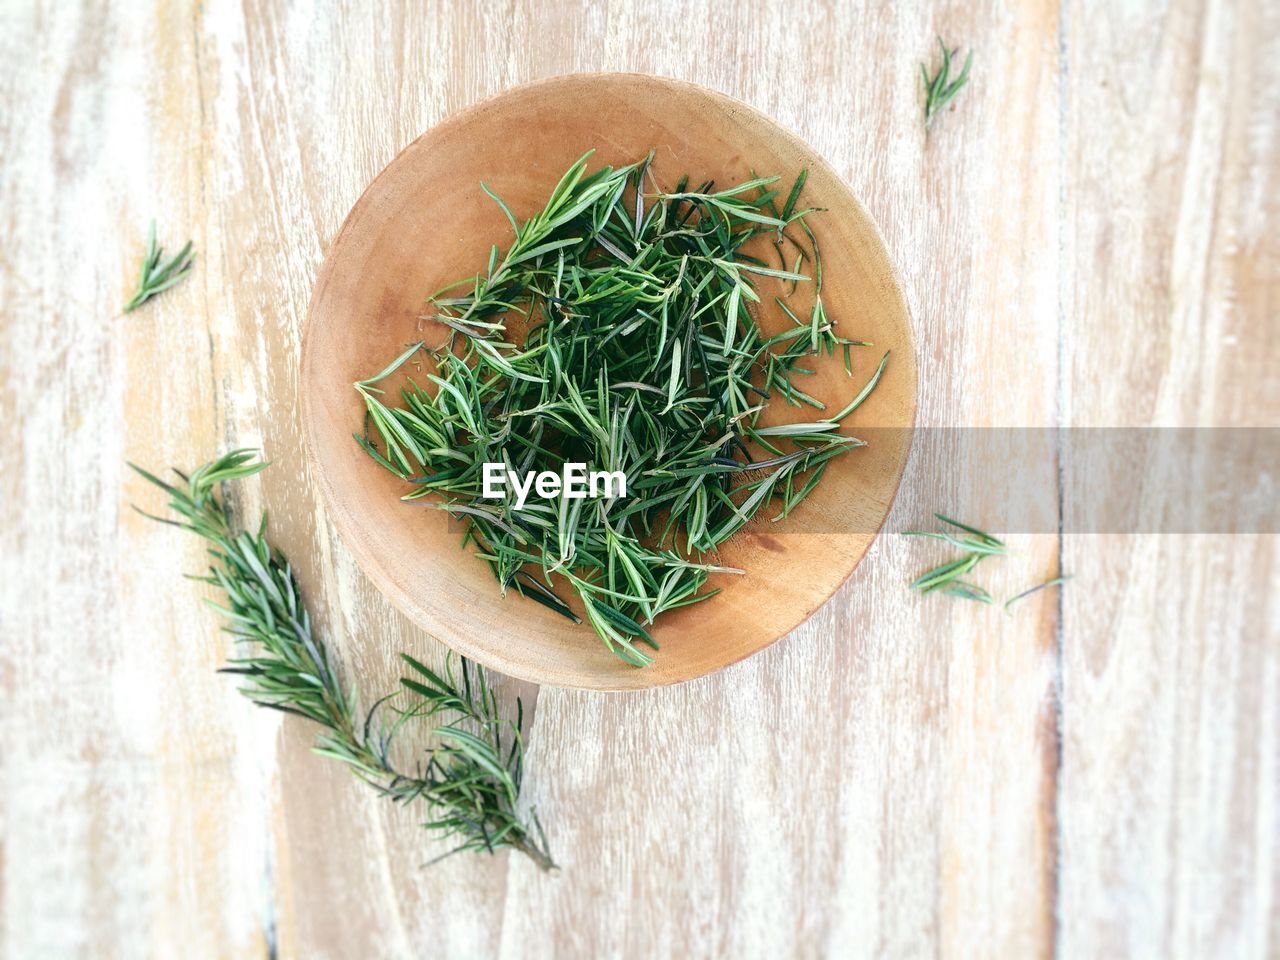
x=364 y=556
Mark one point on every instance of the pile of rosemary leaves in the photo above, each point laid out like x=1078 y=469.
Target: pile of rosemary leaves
x=620 y=329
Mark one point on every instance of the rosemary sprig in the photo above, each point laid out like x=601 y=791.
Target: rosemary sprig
x=1056 y=581
x=940 y=89
x=154 y=276
x=641 y=351
x=946 y=576
x=469 y=779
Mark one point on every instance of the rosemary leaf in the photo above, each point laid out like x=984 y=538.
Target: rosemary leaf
x=968 y=591
x=155 y=276
x=1056 y=581
x=946 y=576
x=940 y=89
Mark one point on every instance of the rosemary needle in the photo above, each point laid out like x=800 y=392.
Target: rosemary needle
x=1056 y=581
x=946 y=576
x=976 y=547
x=968 y=591
x=619 y=329
x=469 y=780
x=940 y=89
x=155 y=276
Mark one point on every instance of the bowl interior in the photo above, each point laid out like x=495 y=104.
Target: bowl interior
x=425 y=222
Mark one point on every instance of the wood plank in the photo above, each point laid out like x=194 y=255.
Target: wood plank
x=133 y=781
x=694 y=802
x=258 y=134
x=882 y=781
x=1171 y=652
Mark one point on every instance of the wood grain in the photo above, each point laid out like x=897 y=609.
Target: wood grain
x=1087 y=237
x=1171 y=725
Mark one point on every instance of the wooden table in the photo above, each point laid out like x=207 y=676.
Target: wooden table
x=1087 y=238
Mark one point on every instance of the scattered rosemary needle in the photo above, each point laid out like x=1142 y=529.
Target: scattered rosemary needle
x=154 y=276
x=976 y=547
x=968 y=591
x=619 y=330
x=469 y=779
x=1056 y=581
x=940 y=89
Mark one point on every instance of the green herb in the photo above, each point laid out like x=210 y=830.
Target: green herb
x=979 y=545
x=469 y=779
x=975 y=547
x=619 y=329
x=940 y=89
x=1056 y=581
x=968 y=591
x=155 y=276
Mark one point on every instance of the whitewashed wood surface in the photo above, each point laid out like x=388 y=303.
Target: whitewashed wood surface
x=1087 y=238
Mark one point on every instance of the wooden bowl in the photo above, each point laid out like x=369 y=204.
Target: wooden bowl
x=425 y=222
